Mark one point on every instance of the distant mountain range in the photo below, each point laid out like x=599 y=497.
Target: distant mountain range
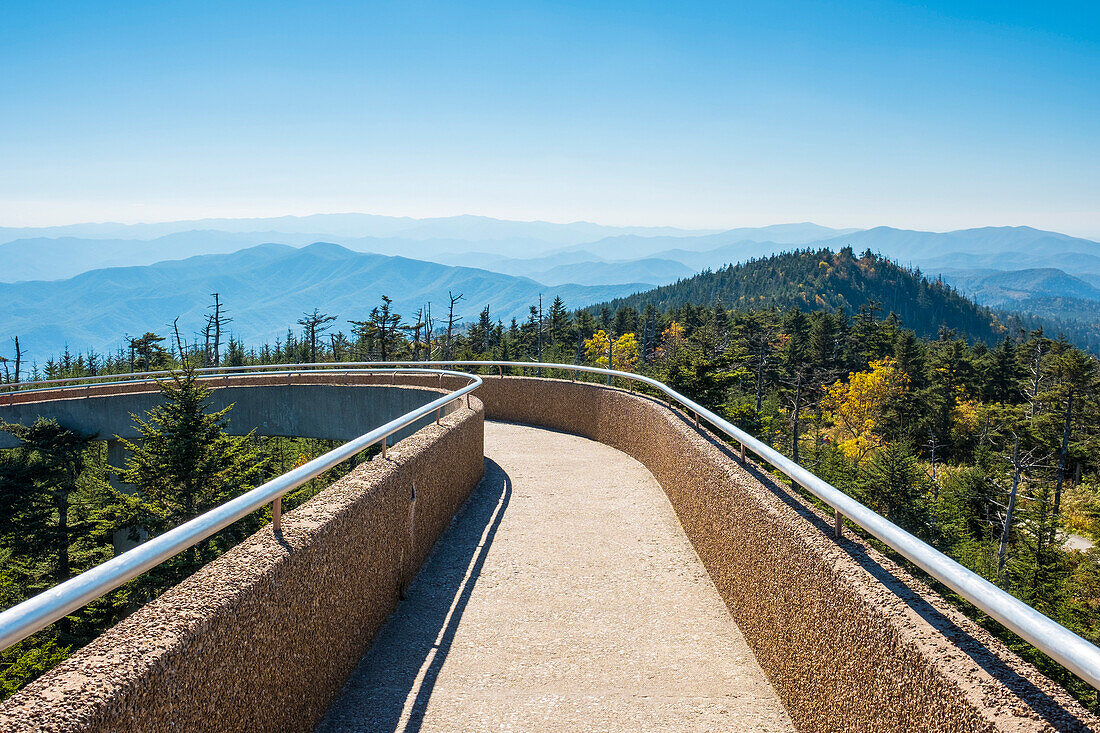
x=465 y=227
x=1073 y=302
x=52 y=253
x=265 y=289
x=1021 y=269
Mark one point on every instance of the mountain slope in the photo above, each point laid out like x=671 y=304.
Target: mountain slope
x=1005 y=289
x=919 y=247
x=826 y=280
x=55 y=259
x=635 y=246
x=265 y=288
x=653 y=271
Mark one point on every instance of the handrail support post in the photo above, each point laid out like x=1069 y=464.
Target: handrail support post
x=277 y=515
x=838 y=526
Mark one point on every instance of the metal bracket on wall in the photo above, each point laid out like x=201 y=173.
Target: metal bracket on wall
x=277 y=515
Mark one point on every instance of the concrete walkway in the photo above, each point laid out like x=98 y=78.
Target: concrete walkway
x=565 y=597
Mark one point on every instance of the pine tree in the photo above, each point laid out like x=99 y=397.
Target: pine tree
x=37 y=483
x=897 y=487
x=184 y=462
x=559 y=322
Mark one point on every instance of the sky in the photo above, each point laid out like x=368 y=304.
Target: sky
x=705 y=115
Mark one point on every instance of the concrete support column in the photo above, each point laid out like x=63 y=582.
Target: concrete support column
x=116 y=459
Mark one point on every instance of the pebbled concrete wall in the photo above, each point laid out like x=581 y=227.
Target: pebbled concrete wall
x=850 y=640
x=264 y=637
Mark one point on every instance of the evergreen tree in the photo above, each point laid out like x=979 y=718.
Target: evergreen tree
x=559 y=322
x=184 y=462
x=897 y=487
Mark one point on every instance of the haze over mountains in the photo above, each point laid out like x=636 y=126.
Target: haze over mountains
x=505 y=264
x=265 y=289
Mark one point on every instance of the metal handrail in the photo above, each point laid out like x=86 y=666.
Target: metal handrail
x=34 y=614
x=14 y=388
x=1048 y=636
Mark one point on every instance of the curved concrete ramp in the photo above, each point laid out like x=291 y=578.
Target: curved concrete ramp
x=565 y=596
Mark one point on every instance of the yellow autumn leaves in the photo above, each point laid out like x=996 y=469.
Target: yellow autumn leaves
x=858 y=407
x=624 y=350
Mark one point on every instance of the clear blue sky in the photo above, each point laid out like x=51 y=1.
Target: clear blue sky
x=935 y=115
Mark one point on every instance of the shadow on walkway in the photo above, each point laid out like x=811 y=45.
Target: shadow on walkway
x=390 y=689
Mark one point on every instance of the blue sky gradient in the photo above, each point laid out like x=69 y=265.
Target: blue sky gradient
x=932 y=115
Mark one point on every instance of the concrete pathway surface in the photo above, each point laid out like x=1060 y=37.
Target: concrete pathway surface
x=564 y=597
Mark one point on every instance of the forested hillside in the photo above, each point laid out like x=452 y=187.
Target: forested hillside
x=831 y=281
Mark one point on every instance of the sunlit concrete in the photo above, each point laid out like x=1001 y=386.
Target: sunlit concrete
x=565 y=596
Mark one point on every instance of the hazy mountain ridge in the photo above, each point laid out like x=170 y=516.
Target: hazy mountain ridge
x=1003 y=288
x=652 y=271
x=265 y=289
x=51 y=253
x=1019 y=268
x=64 y=257
x=354 y=225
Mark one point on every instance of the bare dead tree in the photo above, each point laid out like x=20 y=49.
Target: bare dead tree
x=415 y=329
x=1037 y=372
x=1022 y=464
x=17 y=362
x=315 y=323
x=179 y=341
x=932 y=444
x=452 y=321
x=429 y=330
x=207 y=330
x=214 y=325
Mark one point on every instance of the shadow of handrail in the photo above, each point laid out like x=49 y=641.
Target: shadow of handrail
x=390 y=689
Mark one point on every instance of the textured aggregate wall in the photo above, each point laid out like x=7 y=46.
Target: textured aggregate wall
x=264 y=637
x=850 y=640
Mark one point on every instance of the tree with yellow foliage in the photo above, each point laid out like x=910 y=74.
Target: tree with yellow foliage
x=858 y=407
x=624 y=350
x=672 y=341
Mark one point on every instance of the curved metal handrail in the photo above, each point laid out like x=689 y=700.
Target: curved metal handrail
x=1048 y=636
x=34 y=614
x=17 y=388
